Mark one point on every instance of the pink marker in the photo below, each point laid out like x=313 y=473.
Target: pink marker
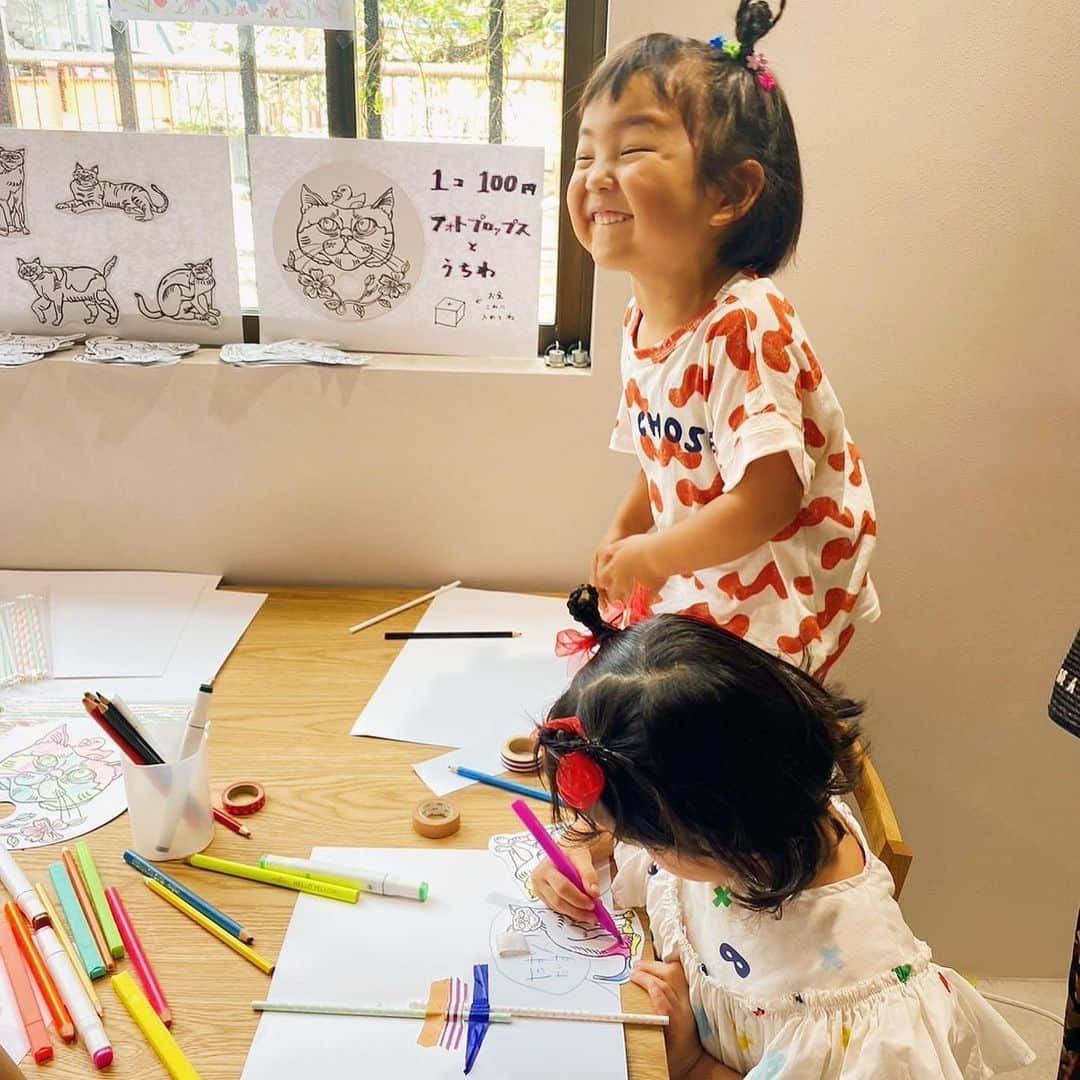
x=138 y=957
x=567 y=869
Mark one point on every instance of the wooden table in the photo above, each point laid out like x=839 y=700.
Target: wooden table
x=283 y=707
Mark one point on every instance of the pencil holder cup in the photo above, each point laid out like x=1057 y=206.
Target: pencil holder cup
x=169 y=806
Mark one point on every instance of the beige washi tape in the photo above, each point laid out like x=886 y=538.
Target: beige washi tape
x=519 y=754
x=436 y=818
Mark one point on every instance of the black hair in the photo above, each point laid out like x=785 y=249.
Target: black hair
x=711 y=748
x=730 y=118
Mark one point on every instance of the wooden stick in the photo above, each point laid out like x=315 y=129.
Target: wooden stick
x=531 y=1013
x=410 y=1012
x=403 y=607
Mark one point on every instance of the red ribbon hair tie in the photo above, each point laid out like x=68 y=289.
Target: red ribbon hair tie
x=578 y=646
x=579 y=780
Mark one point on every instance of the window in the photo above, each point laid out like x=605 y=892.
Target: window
x=432 y=70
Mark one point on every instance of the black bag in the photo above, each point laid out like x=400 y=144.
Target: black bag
x=1064 y=706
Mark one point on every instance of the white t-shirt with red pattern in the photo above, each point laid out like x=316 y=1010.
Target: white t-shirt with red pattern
x=737 y=383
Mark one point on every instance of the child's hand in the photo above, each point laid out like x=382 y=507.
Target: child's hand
x=559 y=894
x=621 y=563
x=665 y=983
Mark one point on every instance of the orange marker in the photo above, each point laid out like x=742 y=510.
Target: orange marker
x=36 y=1031
x=57 y=1009
x=79 y=886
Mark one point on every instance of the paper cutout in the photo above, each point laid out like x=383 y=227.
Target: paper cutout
x=57 y=286
x=13 y=191
x=90 y=192
x=184 y=294
x=521 y=854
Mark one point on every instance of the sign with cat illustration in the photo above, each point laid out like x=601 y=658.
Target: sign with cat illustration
x=126 y=234
x=369 y=243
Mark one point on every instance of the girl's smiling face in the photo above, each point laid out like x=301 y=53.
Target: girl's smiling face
x=635 y=199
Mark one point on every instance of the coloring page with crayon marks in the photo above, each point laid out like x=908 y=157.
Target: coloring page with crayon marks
x=60 y=772
x=126 y=234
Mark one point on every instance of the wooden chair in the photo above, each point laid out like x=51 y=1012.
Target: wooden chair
x=879 y=821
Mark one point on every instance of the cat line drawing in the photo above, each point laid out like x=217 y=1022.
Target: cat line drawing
x=345 y=251
x=184 y=294
x=345 y=232
x=90 y=192
x=57 y=286
x=13 y=192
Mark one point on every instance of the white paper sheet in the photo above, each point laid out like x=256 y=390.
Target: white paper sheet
x=391 y=951
x=106 y=623
x=439 y=777
x=216 y=625
x=472 y=692
x=167 y=203
x=398 y=246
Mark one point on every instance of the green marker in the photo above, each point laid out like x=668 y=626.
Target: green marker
x=97 y=898
x=371 y=881
x=348 y=894
x=89 y=956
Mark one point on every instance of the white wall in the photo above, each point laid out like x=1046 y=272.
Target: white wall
x=935 y=277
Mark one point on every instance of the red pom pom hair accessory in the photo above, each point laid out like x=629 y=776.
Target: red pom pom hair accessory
x=579 y=780
x=576 y=645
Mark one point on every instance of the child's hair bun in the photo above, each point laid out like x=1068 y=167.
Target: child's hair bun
x=584 y=607
x=753 y=21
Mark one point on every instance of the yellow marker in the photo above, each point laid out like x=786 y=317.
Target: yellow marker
x=348 y=895
x=155 y=1032
x=69 y=948
x=210 y=926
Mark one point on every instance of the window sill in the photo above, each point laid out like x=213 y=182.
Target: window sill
x=381 y=362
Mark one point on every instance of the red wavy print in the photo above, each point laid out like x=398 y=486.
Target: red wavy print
x=659 y=353
x=856 y=460
x=769 y=575
x=810 y=380
x=698 y=583
x=733 y=327
x=839 y=462
x=739 y=416
x=696 y=380
x=689 y=493
x=842 y=643
x=774 y=343
x=836 y=551
x=737 y=624
x=804 y=585
x=655 y=497
x=813 y=514
x=667 y=451
x=628 y=316
x=813 y=434
x=634 y=396
x=836 y=600
x=808 y=631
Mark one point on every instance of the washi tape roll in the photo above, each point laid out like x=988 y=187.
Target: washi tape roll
x=519 y=754
x=436 y=818
x=243 y=797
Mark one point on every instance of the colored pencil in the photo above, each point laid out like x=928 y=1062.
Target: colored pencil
x=69 y=947
x=453 y=635
x=346 y=894
x=210 y=926
x=148 y=869
x=499 y=782
x=139 y=960
x=154 y=1031
x=92 y=880
x=403 y=607
x=115 y=719
x=36 y=965
x=223 y=817
x=36 y=1031
x=79 y=888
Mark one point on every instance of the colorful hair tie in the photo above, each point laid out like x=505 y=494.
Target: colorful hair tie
x=578 y=779
x=753 y=61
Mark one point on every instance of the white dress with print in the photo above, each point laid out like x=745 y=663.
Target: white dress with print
x=839 y=987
